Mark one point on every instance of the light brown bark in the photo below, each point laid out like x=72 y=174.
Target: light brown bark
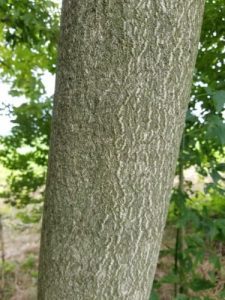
x=122 y=89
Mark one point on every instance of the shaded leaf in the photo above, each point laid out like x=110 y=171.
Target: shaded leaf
x=200 y=284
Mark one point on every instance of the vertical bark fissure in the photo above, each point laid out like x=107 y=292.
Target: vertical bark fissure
x=122 y=89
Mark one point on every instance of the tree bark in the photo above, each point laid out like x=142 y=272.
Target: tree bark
x=122 y=89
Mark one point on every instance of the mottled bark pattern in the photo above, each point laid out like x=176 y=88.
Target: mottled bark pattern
x=122 y=88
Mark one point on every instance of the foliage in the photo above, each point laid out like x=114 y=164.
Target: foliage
x=28 y=36
x=25 y=151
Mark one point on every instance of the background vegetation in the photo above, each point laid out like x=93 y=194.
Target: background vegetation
x=192 y=259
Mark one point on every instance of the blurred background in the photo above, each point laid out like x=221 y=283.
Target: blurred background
x=192 y=257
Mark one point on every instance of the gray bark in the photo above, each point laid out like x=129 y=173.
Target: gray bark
x=122 y=89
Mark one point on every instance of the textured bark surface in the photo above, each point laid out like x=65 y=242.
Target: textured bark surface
x=122 y=88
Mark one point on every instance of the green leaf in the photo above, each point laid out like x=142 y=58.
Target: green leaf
x=219 y=100
x=215 y=175
x=221 y=167
x=222 y=294
x=213 y=231
x=170 y=278
x=216 y=129
x=200 y=284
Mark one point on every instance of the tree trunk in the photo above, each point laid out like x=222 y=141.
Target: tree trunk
x=122 y=89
